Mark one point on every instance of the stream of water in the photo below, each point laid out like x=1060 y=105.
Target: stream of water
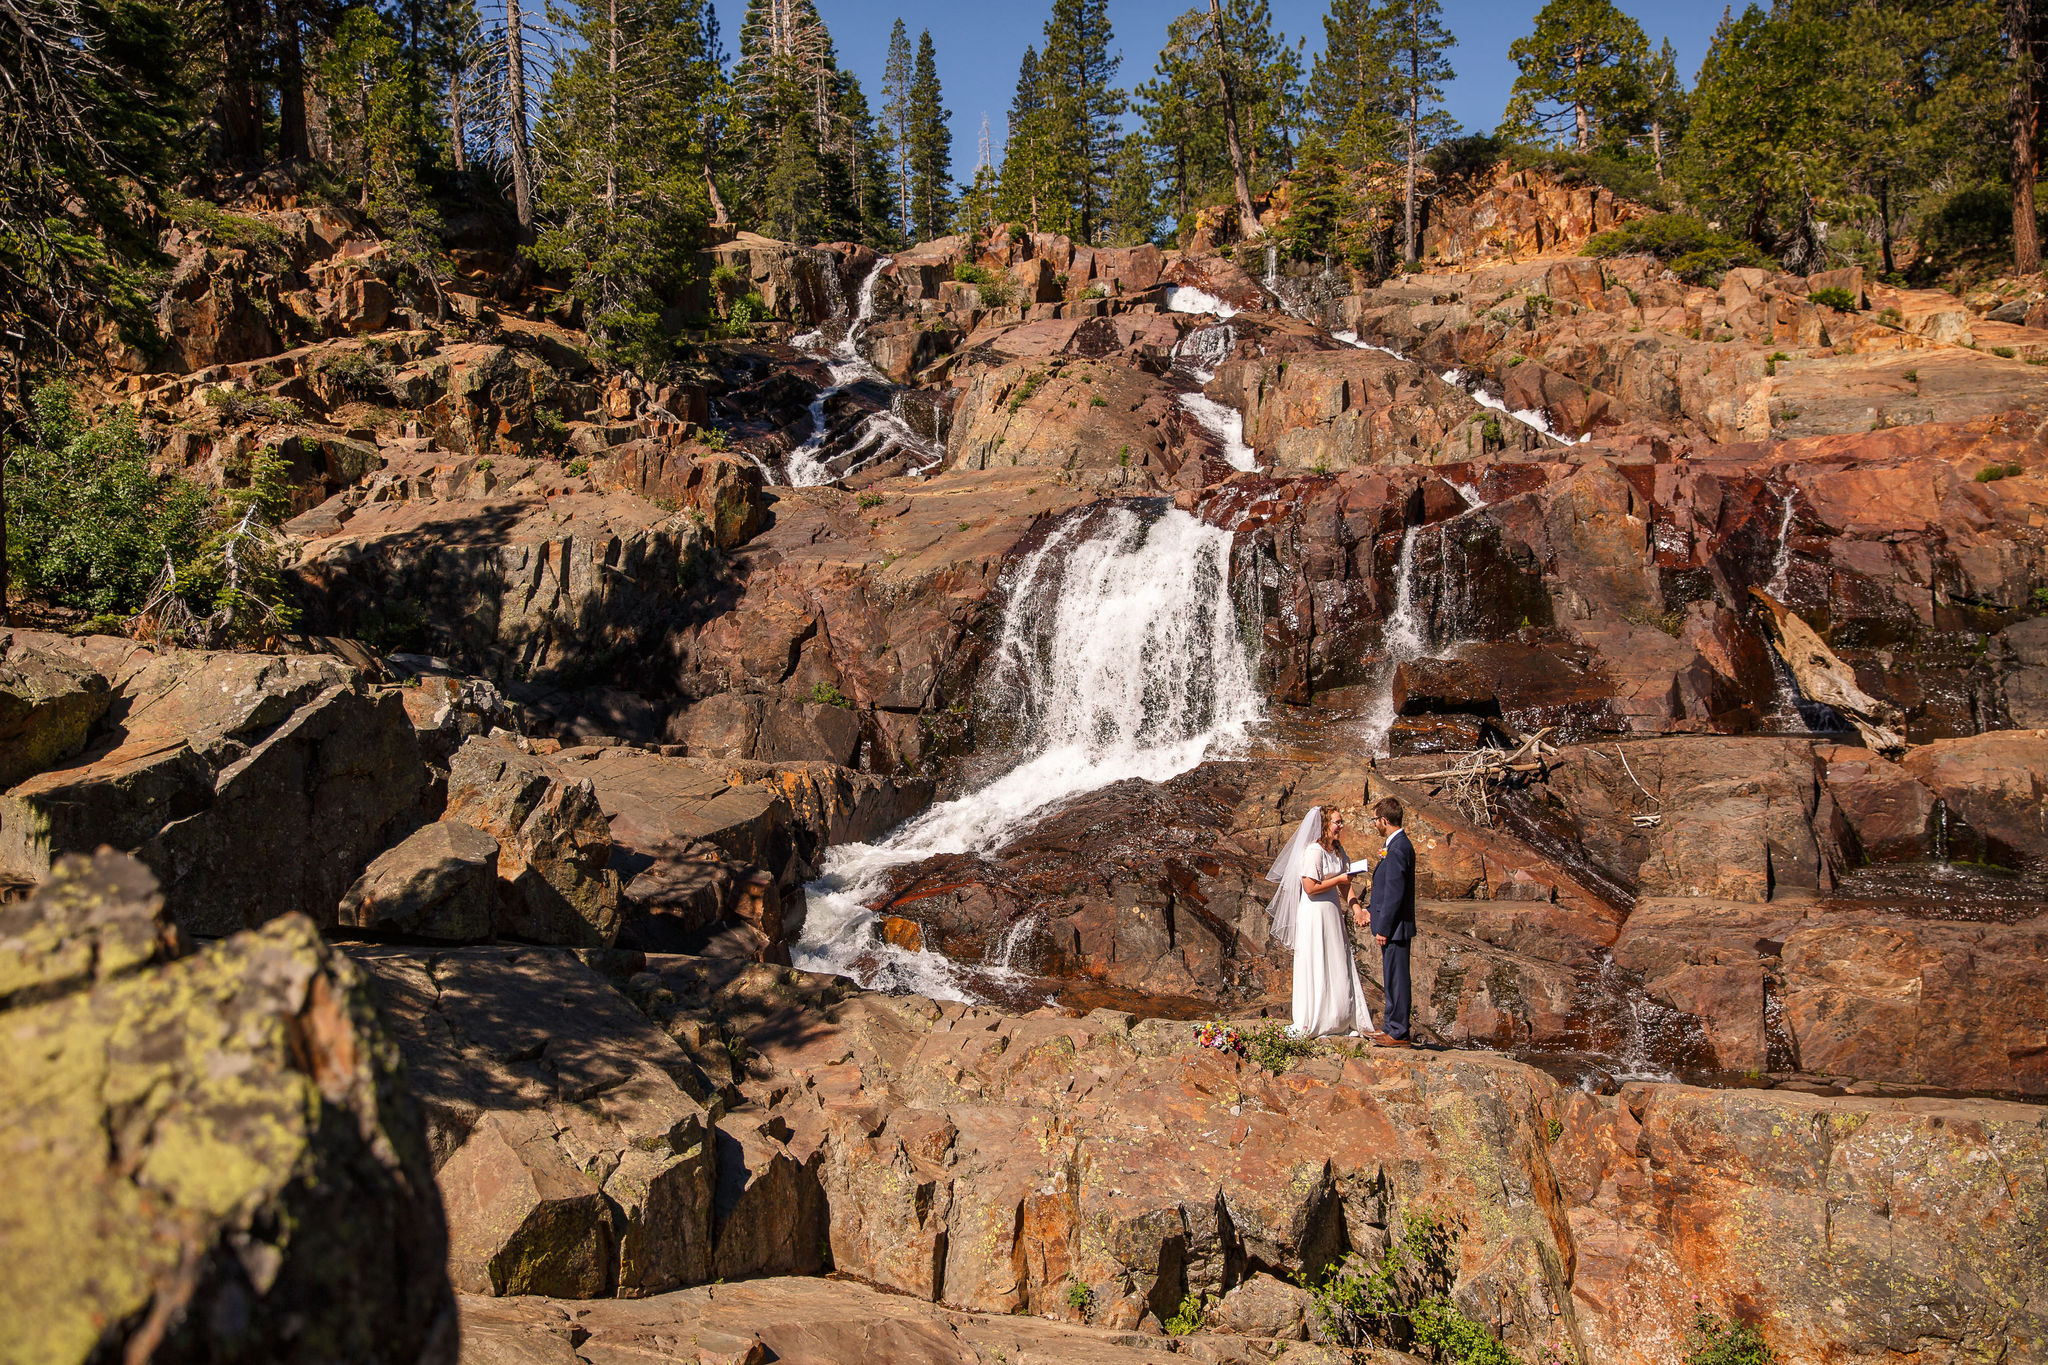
x=880 y=434
x=1122 y=656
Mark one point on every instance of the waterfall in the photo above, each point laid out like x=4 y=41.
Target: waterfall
x=1406 y=637
x=1121 y=656
x=1198 y=354
x=881 y=433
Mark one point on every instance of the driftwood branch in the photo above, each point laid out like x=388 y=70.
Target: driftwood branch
x=1823 y=677
x=1471 y=778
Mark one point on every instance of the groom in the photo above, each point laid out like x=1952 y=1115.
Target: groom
x=1392 y=912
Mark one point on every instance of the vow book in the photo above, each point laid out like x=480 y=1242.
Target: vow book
x=1362 y=865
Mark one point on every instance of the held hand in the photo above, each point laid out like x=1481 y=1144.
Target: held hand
x=1380 y=939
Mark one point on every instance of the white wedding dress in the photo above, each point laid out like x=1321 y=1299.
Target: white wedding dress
x=1329 y=998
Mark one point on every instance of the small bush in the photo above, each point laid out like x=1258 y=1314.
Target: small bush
x=1098 y=401
x=89 y=525
x=1271 y=1046
x=972 y=274
x=2003 y=352
x=1974 y=218
x=1841 y=300
x=1717 y=1342
x=355 y=373
x=999 y=292
x=827 y=694
x=1403 y=1299
x=870 y=498
x=1186 y=1319
x=579 y=465
x=1079 y=1296
x=1992 y=473
x=1696 y=253
x=239 y=405
x=1911 y=376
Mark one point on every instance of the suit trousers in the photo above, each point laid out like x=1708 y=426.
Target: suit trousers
x=1394 y=976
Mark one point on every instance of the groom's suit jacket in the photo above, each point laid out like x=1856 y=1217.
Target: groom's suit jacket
x=1393 y=891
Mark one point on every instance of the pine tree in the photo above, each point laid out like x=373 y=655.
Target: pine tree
x=1317 y=213
x=792 y=204
x=1582 y=67
x=1083 y=111
x=1184 y=115
x=1352 y=85
x=1132 y=217
x=1666 y=111
x=2023 y=41
x=622 y=197
x=1418 y=41
x=896 y=118
x=1760 y=120
x=931 y=146
x=1026 y=173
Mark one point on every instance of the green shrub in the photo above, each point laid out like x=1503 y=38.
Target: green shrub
x=1911 y=376
x=828 y=694
x=1187 y=1318
x=1841 y=300
x=89 y=525
x=1079 y=1296
x=1403 y=1299
x=2003 y=352
x=236 y=231
x=393 y=626
x=579 y=465
x=239 y=405
x=356 y=373
x=869 y=498
x=998 y=291
x=1696 y=253
x=1973 y=218
x=1992 y=473
x=1271 y=1046
x=1717 y=1342
x=972 y=274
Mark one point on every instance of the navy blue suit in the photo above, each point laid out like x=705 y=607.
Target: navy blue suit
x=1393 y=917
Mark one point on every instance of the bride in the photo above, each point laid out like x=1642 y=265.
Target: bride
x=1308 y=917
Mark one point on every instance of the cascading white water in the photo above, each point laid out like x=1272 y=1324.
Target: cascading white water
x=1123 y=656
x=1532 y=417
x=1199 y=353
x=1406 y=637
x=881 y=432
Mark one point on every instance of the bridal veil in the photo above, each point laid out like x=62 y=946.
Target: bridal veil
x=1287 y=872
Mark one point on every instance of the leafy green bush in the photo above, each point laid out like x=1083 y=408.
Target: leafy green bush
x=1696 y=253
x=239 y=405
x=1079 y=1296
x=1992 y=473
x=827 y=694
x=746 y=310
x=1716 y=1342
x=1841 y=300
x=1271 y=1046
x=1403 y=1299
x=89 y=525
x=357 y=373
x=998 y=291
x=972 y=274
x=233 y=590
x=1973 y=218
x=393 y=626
x=1186 y=1319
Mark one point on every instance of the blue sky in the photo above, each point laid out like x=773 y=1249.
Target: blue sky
x=979 y=43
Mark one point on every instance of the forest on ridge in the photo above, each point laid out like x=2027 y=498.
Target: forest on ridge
x=609 y=135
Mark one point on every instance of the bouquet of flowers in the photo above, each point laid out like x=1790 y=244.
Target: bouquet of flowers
x=1220 y=1036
